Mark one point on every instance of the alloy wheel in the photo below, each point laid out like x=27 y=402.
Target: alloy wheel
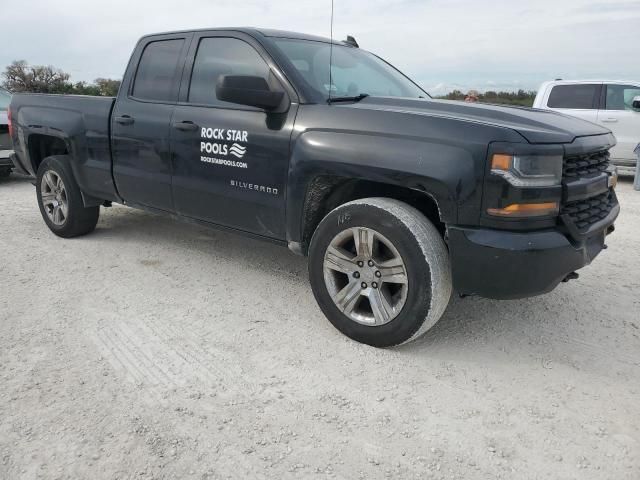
x=365 y=276
x=54 y=198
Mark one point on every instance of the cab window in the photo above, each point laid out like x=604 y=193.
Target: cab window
x=157 y=72
x=579 y=96
x=219 y=56
x=620 y=97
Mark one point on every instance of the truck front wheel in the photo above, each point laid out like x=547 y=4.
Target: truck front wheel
x=60 y=200
x=380 y=272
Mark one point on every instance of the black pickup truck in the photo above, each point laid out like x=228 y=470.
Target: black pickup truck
x=397 y=199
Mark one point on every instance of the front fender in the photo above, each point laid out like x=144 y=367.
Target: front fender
x=445 y=172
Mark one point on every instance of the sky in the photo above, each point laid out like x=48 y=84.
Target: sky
x=441 y=44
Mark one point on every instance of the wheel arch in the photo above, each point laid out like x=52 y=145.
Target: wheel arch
x=327 y=192
x=41 y=146
x=328 y=169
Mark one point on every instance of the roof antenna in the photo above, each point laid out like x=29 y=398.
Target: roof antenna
x=352 y=41
x=331 y=56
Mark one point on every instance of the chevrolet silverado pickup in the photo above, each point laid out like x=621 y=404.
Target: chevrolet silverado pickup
x=397 y=199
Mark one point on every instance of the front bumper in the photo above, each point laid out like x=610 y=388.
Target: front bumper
x=507 y=265
x=624 y=166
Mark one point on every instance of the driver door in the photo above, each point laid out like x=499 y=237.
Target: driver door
x=230 y=162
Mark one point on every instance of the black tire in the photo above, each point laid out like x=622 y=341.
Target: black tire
x=426 y=269
x=5 y=172
x=79 y=220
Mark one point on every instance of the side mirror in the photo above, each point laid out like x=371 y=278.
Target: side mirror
x=636 y=103
x=248 y=90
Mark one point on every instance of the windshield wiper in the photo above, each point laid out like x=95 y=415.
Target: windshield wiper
x=357 y=98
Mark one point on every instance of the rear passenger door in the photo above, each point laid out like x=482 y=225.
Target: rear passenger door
x=230 y=162
x=618 y=115
x=578 y=100
x=141 y=120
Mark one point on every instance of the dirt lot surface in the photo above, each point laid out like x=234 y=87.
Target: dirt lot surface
x=156 y=349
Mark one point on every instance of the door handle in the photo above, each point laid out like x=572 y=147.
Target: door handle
x=124 y=120
x=186 y=126
x=609 y=120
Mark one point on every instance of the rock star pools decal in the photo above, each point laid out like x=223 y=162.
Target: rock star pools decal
x=219 y=146
x=222 y=146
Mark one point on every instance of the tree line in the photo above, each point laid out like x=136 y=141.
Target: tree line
x=521 y=97
x=22 y=77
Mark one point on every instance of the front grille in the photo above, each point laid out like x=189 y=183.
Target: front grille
x=580 y=215
x=585 y=213
x=583 y=165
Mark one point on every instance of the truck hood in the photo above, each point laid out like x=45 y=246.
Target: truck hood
x=536 y=126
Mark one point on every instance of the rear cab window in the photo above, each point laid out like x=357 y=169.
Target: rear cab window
x=158 y=72
x=577 y=96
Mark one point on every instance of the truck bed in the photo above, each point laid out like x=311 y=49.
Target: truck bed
x=81 y=122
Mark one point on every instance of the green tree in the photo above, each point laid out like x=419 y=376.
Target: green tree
x=455 y=95
x=520 y=98
x=107 y=86
x=22 y=77
x=84 y=88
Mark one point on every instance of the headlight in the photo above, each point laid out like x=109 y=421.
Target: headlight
x=528 y=170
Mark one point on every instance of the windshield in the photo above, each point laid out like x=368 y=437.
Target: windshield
x=5 y=99
x=353 y=71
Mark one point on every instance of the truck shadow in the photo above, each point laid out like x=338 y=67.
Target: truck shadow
x=561 y=328
x=143 y=227
x=13 y=179
x=548 y=328
x=478 y=319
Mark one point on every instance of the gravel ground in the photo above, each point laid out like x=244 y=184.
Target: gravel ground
x=156 y=349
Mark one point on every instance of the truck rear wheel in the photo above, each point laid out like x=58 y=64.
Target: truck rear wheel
x=60 y=200
x=380 y=272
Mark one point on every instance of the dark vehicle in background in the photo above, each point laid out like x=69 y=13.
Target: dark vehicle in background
x=5 y=139
x=397 y=199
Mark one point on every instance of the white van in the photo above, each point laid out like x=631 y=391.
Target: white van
x=613 y=104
